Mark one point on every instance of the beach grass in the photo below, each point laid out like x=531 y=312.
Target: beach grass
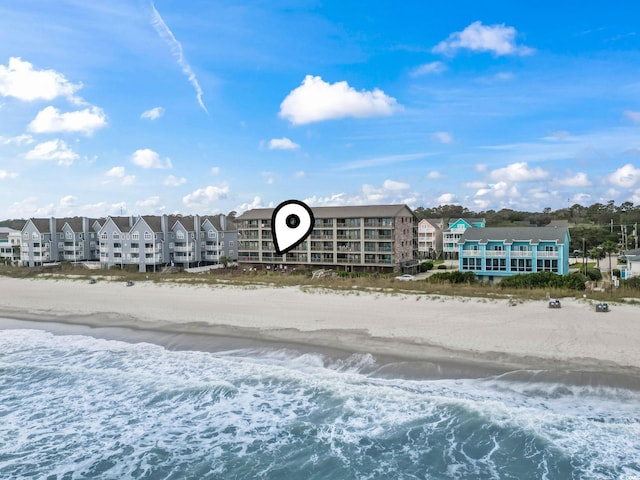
x=384 y=283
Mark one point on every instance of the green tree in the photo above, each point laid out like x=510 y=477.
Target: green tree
x=597 y=254
x=225 y=261
x=609 y=247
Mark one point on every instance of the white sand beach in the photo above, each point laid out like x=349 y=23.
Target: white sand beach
x=527 y=335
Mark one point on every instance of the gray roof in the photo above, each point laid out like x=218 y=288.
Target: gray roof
x=515 y=234
x=7 y=230
x=42 y=224
x=632 y=253
x=337 y=212
x=122 y=223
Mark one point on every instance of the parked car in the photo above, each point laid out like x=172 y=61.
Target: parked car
x=406 y=277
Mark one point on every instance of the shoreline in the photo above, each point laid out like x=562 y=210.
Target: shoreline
x=437 y=337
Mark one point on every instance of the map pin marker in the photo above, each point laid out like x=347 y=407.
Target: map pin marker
x=291 y=222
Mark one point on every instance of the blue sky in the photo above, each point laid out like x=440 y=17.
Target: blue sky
x=137 y=107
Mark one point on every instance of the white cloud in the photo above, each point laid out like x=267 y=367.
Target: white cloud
x=215 y=170
x=633 y=116
x=23 y=139
x=68 y=201
x=299 y=174
x=176 y=49
x=380 y=161
x=255 y=203
x=119 y=172
x=53 y=150
x=316 y=100
x=429 y=69
x=626 y=176
x=334 y=200
x=475 y=185
x=580 y=179
x=498 y=190
x=481 y=167
x=4 y=175
x=147 y=158
x=282 y=144
x=394 y=186
x=518 y=172
x=50 y=120
x=435 y=175
x=203 y=196
x=443 y=137
x=29 y=208
x=153 y=114
x=498 y=39
x=19 y=80
x=151 y=204
x=446 y=199
x=173 y=181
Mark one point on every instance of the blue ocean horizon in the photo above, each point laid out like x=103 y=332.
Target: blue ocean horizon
x=77 y=407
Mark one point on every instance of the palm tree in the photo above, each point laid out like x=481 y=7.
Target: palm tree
x=597 y=254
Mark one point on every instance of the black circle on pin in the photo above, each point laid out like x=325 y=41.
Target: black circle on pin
x=293 y=221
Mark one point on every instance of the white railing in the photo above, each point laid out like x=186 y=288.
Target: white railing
x=471 y=253
x=547 y=254
x=495 y=254
x=520 y=254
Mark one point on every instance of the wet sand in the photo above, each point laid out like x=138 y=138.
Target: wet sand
x=444 y=336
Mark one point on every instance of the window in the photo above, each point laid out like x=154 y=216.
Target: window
x=104 y=236
x=472 y=263
x=115 y=236
x=231 y=253
x=180 y=235
x=147 y=235
x=60 y=245
x=230 y=243
x=496 y=264
x=68 y=235
x=25 y=235
x=34 y=236
x=521 y=265
x=211 y=234
x=135 y=236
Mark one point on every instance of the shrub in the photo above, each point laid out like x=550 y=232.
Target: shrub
x=594 y=274
x=426 y=266
x=543 y=280
x=453 y=277
x=616 y=272
x=632 y=283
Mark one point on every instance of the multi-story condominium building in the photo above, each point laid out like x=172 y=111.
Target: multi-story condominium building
x=430 y=238
x=455 y=231
x=498 y=252
x=145 y=241
x=362 y=238
x=10 y=239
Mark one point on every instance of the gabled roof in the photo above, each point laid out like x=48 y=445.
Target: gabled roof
x=337 y=212
x=214 y=220
x=154 y=222
x=75 y=224
x=515 y=234
x=42 y=224
x=121 y=222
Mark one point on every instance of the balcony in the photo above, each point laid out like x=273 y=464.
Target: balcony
x=496 y=254
x=520 y=253
x=471 y=253
x=183 y=249
x=547 y=254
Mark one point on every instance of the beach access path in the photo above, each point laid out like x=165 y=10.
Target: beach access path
x=527 y=335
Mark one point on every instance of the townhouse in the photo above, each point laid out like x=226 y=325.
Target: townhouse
x=430 y=238
x=454 y=232
x=147 y=241
x=9 y=245
x=359 y=238
x=496 y=252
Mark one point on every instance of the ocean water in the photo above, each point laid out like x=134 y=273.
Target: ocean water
x=76 y=407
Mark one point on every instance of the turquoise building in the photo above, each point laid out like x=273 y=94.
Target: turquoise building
x=492 y=253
